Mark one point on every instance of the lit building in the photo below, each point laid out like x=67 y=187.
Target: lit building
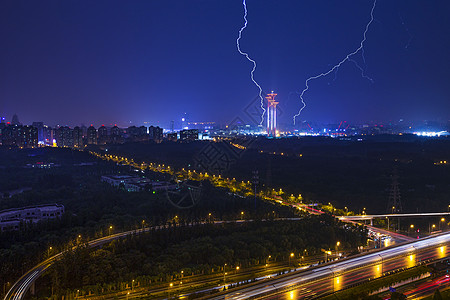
x=77 y=137
x=91 y=135
x=271 y=114
x=40 y=128
x=64 y=137
x=12 y=219
x=173 y=136
x=48 y=135
x=116 y=135
x=156 y=134
x=20 y=136
x=102 y=135
x=29 y=137
x=189 y=135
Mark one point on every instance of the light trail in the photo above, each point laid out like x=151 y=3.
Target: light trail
x=251 y=60
x=336 y=67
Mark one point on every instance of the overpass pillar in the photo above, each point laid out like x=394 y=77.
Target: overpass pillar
x=371 y=222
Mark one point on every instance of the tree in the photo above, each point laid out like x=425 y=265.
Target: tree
x=397 y=296
x=437 y=295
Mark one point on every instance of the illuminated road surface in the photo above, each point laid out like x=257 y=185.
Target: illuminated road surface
x=427 y=288
x=340 y=274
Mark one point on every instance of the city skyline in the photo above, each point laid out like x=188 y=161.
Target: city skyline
x=115 y=63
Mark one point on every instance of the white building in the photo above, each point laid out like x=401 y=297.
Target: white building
x=10 y=219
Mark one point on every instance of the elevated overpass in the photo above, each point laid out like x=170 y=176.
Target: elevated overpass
x=371 y=217
x=323 y=279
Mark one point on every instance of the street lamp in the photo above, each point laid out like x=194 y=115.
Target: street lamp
x=48 y=251
x=224 y=273
x=170 y=287
x=242 y=215
x=337 y=245
x=292 y=255
x=110 y=228
x=432 y=227
x=442 y=221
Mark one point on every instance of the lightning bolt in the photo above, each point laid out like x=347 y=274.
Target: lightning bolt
x=251 y=60
x=336 y=67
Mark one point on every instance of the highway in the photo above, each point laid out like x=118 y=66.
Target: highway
x=317 y=281
x=21 y=286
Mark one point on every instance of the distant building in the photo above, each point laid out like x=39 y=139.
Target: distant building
x=28 y=137
x=15 y=120
x=155 y=134
x=116 y=135
x=91 y=135
x=77 y=137
x=11 y=219
x=48 y=135
x=189 y=135
x=173 y=136
x=271 y=115
x=102 y=135
x=40 y=130
x=64 y=137
x=132 y=134
x=20 y=136
x=132 y=183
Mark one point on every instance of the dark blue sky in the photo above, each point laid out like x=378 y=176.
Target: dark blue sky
x=71 y=62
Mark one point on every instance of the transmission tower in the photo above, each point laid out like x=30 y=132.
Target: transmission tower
x=255 y=181
x=394 y=204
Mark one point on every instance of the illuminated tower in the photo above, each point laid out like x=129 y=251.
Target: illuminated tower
x=271 y=115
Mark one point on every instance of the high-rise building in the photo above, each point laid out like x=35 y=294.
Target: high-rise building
x=15 y=120
x=132 y=133
x=29 y=137
x=173 y=136
x=64 y=137
x=189 y=135
x=155 y=133
x=40 y=129
x=102 y=135
x=77 y=137
x=20 y=136
x=91 y=135
x=116 y=135
x=48 y=135
x=271 y=115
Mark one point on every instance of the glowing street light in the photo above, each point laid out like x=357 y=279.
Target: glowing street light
x=292 y=255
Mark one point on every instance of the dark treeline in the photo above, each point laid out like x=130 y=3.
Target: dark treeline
x=160 y=255
x=347 y=172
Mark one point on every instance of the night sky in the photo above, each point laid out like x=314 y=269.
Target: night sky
x=129 y=62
